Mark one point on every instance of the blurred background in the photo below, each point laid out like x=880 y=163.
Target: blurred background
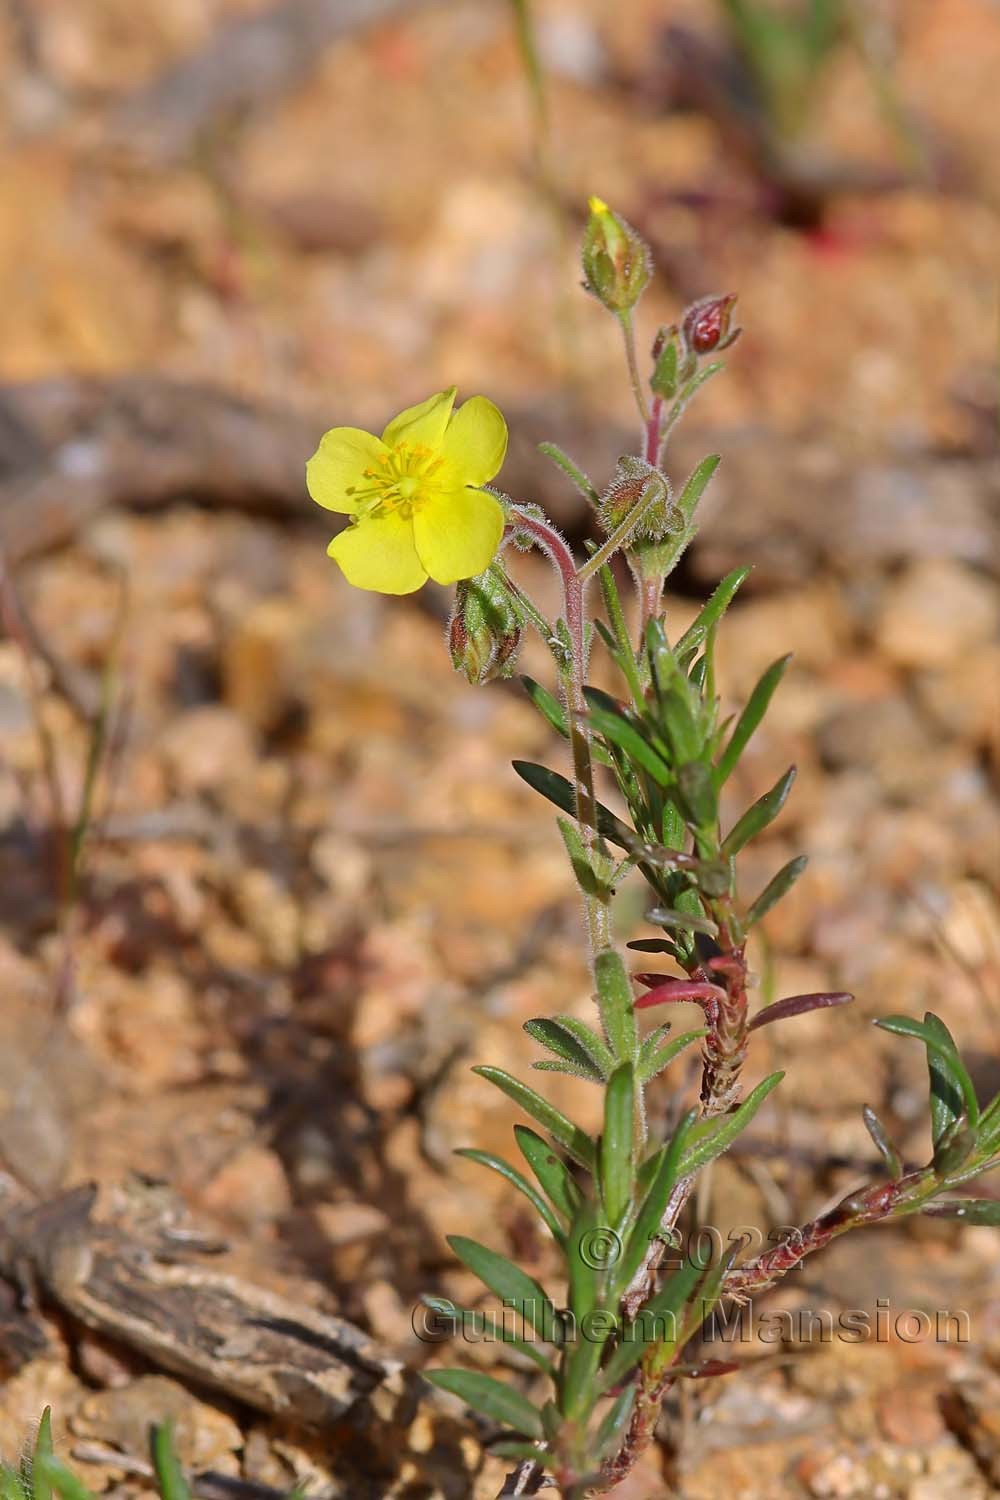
x=267 y=884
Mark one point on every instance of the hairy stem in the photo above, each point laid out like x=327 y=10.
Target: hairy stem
x=571 y=677
x=635 y=379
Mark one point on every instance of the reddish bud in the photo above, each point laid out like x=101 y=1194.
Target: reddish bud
x=706 y=326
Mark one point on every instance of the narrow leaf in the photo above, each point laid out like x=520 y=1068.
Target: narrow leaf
x=776 y=888
x=698 y=480
x=551 y=1171
x=946 y=1090
x=984 y=1211
x=560 y=792
x=610 y=1433
x=523 y=1451
x=656 y=1060
x=473 y=1321
x=710 y=1138
x=572 y=471
x=514 y=1287
x=547 y=704
x=757 y=817
x=586 y=1071
x=48 y=1473
x=656 y=1324
x=484 y=1394
x=33 y=1476
x=749 y=719
x=938 y=1039
x=616 y=729
x=650 y=1215
x=883 y=1141
x=576 y=1142
x=711 y=612
x=593 y=1248
x=169 y=1474
x=797 y=1005
x=518 y=1180
x=561 y=1040
x=616 y=1004
x=617 y=1143
x=664 y=916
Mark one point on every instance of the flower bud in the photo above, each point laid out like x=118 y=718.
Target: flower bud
x=673 y=362
x=616 y=266
x=706 y=325
x=484 y=633
x=636 y=480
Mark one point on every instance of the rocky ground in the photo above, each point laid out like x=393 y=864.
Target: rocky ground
x=313 y=892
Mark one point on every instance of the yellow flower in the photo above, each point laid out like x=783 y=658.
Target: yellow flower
x=412 y=494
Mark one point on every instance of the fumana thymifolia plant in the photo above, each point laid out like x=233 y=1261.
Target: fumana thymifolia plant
x=420 y=506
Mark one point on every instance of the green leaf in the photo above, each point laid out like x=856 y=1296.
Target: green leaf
x=484 y=1394
x=34 y=1476
x=591 y=1251
x=570 y=1136
x=560 y=1040
x=954 y=1149
x=547 y=704
x=946 y=1095
x=776 y=888
x=749 y=719
x=11 y=1487
x=711 y=612
x=560 y=792
x=48 y=1474
x=879 y=1134
x=514 y=1287
x=650 y=1215
x=757 y=817
x=522 y=1451
x=616 y=1004
x=571 y=1070
x=682 y=921
x=617 y=1143
x=572 y=471
x=518 y=1180
x=610 y=1433
x=589 y=865
x=169 y=1474
x=698 y=479
x=478 y=1323
x=938 y=1040
x=709 y=1138
x=989 y=1126
x=664 y=378
x=696 y=792
x=616 y=729
x=551 y=1171
x=584 y=1261
x=654 y=1060
x=656 y=1324
x=981 y=1211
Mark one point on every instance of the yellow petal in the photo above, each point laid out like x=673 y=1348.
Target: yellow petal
x=476 y=441
x=425 y=423
x=339 y=463
x=379 y=553
x=457 y=535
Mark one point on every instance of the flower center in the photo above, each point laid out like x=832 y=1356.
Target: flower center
x=403 y=479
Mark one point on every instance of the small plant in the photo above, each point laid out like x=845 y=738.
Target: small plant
x=610 y=1349
x=41 y=1474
